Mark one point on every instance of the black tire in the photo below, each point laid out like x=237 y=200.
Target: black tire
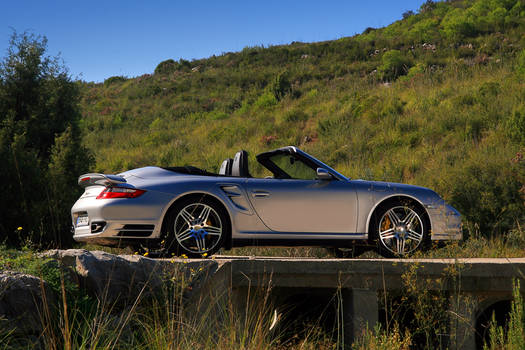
x=196 y=226
x=409 y=234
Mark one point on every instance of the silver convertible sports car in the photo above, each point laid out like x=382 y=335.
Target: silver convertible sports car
x=186 y=210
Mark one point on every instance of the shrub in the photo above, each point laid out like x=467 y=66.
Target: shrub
x=486 y=190
x=457 y=25
x=115 y=79
x=394 y=64
x=520 y=68
x=267 y=99
x=280 y=86
x=408 y=13
x=295 y=116
x=515 y=126
x=166 y=67
x=427 y=6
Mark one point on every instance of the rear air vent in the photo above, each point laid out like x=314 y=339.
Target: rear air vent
x=97 y=226
x=132 y=230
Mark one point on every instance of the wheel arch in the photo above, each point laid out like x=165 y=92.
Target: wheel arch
x=391 y=199
x=201 y=195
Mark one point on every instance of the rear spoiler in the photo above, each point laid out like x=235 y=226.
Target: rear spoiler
x=100 y=179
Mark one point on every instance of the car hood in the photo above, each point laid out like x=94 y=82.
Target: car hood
x=382 y=188
x=394 y=186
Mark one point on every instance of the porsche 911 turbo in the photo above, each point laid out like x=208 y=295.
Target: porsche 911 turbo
x=187 y=210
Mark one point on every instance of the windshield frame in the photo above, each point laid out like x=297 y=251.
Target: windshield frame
x=278 y=173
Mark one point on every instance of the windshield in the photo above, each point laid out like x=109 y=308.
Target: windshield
x=294 y=167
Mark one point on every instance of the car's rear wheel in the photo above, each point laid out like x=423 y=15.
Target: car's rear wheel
x=401 y=228
x=196 y=227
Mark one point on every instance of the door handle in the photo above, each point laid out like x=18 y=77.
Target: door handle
x=260 y=194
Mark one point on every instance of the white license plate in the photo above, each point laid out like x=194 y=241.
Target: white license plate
x=82 y=220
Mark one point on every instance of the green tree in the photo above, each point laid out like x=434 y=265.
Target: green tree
x=38 y=127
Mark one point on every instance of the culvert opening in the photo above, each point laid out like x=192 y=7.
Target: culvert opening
x=424 y=316
x=501 y=311
x=307 y=312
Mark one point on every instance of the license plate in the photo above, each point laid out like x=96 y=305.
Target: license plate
x=82 y=220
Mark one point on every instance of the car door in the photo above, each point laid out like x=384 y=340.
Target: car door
x=309 y=206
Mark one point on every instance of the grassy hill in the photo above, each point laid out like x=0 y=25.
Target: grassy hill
x=435 y=99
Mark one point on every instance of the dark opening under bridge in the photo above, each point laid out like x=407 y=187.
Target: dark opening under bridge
x=473 y=287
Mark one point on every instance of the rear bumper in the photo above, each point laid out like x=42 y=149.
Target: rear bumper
x=133 y=230
x=113 y=220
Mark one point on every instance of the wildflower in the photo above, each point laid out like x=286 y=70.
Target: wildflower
x=136 y=253
x=163 y=241
x=146 y=253
x=19 y=228
x=184 y=256
x=204 y=255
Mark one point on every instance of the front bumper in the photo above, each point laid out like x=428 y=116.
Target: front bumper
x=445 y=223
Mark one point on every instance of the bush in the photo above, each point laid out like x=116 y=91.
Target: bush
x=457 y=25
x=515 y=126
x=280 y=86
x=166 y=67
x=267 y=99
x=520 y=68
x=394 y=64
x=486 y=190
x=115 y=79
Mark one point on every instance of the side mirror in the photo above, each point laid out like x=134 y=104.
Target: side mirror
x=323 y=174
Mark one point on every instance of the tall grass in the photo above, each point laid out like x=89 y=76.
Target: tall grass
x=512 y=335
x=250 y=318
x=216 y=321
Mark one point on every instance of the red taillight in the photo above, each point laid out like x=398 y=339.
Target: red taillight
x=120 y=192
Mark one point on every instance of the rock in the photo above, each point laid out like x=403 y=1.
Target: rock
x=123 y=278
x=22 y=305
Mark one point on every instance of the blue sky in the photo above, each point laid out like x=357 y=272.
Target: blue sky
x=99 y=39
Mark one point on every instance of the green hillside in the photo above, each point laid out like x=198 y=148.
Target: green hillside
x=435 y=99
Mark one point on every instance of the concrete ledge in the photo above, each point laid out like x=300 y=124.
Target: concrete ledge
x=471 y=285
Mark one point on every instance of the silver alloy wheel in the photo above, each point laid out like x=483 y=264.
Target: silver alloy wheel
x=401 y=230
x=198 y=228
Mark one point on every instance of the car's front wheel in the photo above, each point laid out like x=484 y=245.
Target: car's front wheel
x=401 y=228
x=196 y=227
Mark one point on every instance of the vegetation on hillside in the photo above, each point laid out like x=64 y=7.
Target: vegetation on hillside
x=435 y=99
